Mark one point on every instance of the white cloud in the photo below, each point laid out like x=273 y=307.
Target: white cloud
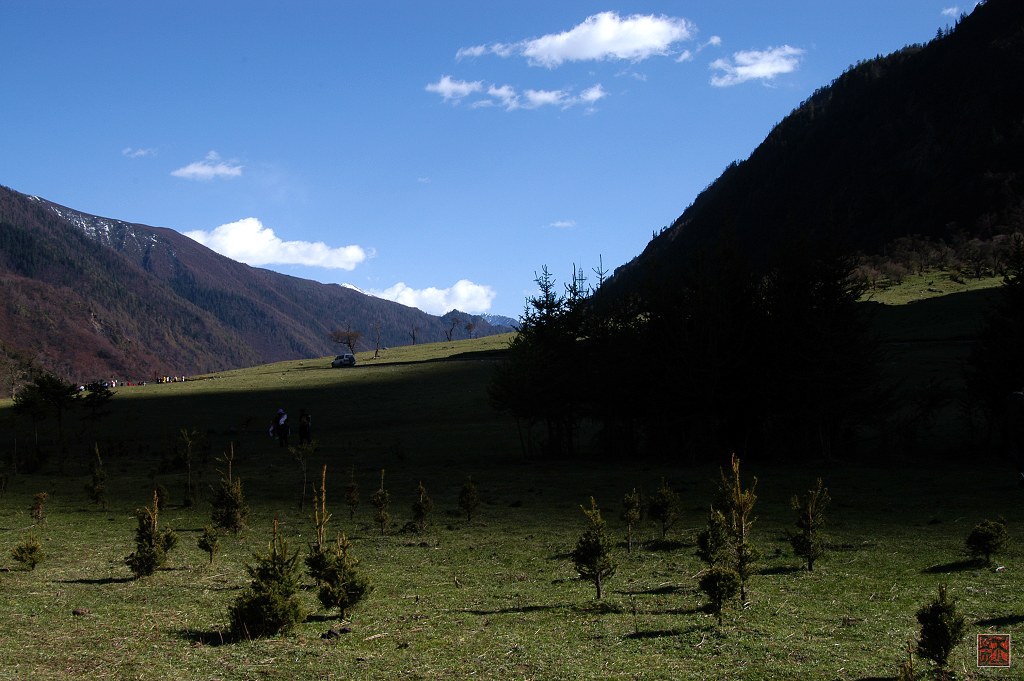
x=248 y=241
x=506 y=95
x=451 y=89
x=563 y=224
x=538 y=98
x=599 y=37
x=593 y=94
x=951 y=11
x=131 y=152
x=755 y=64
x=211 y=167
x=464 y=295
x=609 y=36
x=471 y=52
x=511 y=99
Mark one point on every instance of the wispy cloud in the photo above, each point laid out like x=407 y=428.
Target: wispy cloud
x=688 y=55
x=563 y=224
x=454 y=90
x=607 y=36
x=603 y=36
x=755 y=65
x=951 y=11
x=210 y=168
x=464 y=295
x=131 y=152
x=248 y=241
x=510 y=98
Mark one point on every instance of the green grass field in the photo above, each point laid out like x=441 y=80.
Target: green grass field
x=496 y=598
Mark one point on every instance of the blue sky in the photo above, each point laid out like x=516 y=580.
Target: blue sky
x=434 y=153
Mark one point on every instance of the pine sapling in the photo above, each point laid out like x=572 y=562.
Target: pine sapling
x=738 y=506
x=209 y=542
x=38 y=509
x=592 y=555
x=152 y=543
x=302 y=454
x=317 y=559
x=720 y=584
x=342 y=585
x=664 y=507
x=352 y=493
x=469 y=499
x=714 y=542
x=382 y=501
x=631 y=514
x=96 y=488
x=808 y=542
x=270 y=605
x=191 y=438
x=29 y=552
x=229 y=510
x=421 y=508
x=942 y=629
x=907 y=672
x=987 y=538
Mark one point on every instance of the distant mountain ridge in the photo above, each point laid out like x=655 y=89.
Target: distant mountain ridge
x=926 y=141
x=90 y=297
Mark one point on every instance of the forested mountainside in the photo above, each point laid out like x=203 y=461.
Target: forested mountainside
x=752 y=299
x=928 y=141
x=88 y=297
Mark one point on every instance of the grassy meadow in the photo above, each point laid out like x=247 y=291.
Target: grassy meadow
x=497 y=597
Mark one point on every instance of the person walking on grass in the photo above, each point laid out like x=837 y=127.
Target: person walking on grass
x=279 y=428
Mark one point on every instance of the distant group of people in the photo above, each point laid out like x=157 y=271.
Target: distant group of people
x=280 y=428
x=114 y=382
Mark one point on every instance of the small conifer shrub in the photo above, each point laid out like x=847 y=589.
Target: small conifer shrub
x=342 y=584
x=664 y=507
x=720 y=584
x=421 y=508
x=29 y=552
x=469 y=499
x=317 y=559
x=942 y=628
x=808 y=542
x=193 y=440
x=229 y=512
x=737 y=505
x=152 y=543
x=270 y=605
x=987 y=538
x=38 y=509
x=209 y=542
x=592 y=554
x=302 y=454
x=907 y=671
x=632 y=507
x=382 y=501
x=714 y=542
x=96 y=488
x=352 y=493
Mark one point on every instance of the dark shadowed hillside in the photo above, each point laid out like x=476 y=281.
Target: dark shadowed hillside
x=90 y=297
x=751 y=300
x=926 y=141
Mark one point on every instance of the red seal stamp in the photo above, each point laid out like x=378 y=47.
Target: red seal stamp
x=993 y=650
